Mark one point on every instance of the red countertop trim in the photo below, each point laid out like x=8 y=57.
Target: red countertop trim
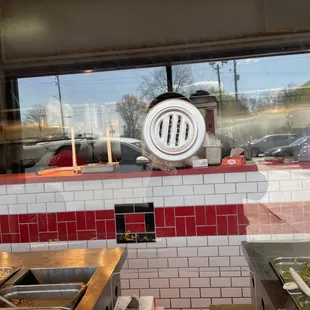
x=70 y=176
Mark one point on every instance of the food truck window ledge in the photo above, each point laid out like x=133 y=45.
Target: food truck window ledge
x=64 y=176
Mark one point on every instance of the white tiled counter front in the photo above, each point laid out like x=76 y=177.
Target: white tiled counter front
x=188 y=272
x=183 y=272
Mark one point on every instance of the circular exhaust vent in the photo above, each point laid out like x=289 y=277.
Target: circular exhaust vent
x=174 y=130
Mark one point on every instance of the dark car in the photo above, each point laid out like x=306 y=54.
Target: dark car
x=304 y=153
x=291 y=150
x=259 y=146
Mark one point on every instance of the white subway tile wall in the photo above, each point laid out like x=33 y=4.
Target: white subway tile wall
x=179 y=273
x=182 y=272
x=210 y=189
x=193 y=179
x=59 y=186
x=35 y=188
x=4 y=209
x=235 y=177
x=177 y=284
x=13 y=189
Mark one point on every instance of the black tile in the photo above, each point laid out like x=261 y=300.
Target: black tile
x=124 y=208
x=149 y=222
x=146 y=237
x=120 y=223
x=126 y=238
x=144 y=207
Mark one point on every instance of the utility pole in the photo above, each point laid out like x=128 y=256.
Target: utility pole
x=236 y=79
x=219 y=80
x=217 y=68
x=60 y=104
x=169 y=78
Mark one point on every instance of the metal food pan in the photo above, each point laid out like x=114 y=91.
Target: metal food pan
x=55 y=296
x=302 y=301
x=282 y=264
x=6 y=273
x=36 y=276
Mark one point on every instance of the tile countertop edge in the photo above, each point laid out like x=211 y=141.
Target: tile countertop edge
x=70 y=176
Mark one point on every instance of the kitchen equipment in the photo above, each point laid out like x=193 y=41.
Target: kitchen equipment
x=66 y=295
x=6 y=273
x=281 y=265
x=300 y=282
x=214 y=155
x=7 y=303
x=290 y=286
x=36 y=276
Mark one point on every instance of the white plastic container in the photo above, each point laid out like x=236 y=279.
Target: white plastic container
x=214 y=155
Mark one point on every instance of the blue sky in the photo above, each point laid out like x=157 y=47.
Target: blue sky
x=255 y=75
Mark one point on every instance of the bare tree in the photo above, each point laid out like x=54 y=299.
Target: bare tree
x=287 y=96
x=155 y=84
x=41 y=119
x=264 y=101
x=36 y=116
x=132 y=111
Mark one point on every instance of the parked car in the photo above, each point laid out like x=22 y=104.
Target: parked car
x=304 y=153
x=259 y=146
x=58 y=154
x=291 y=150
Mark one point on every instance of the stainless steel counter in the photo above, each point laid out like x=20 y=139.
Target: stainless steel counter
x=267 y=291
x=108 y=261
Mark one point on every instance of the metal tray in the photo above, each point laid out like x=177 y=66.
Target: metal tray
x=302 y=301
x=35 y=276
x=281 y=266
x=51 y=296
x=6 y=273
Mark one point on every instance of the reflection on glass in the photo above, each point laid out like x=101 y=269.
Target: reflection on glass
x=91 y=103
x=299 y=141
x=255 y=98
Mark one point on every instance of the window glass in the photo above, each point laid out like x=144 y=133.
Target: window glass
x=255 y=96
x=88 y=104
x=249 y=100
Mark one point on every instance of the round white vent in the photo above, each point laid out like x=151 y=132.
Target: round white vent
x=174 y=130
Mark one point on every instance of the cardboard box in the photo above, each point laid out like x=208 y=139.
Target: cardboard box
x=233 y=160
x=232 y=307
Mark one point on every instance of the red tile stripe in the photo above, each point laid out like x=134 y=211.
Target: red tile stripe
x=274 y=218
x=199 y=221
x=135 y=223
x=64 y=226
